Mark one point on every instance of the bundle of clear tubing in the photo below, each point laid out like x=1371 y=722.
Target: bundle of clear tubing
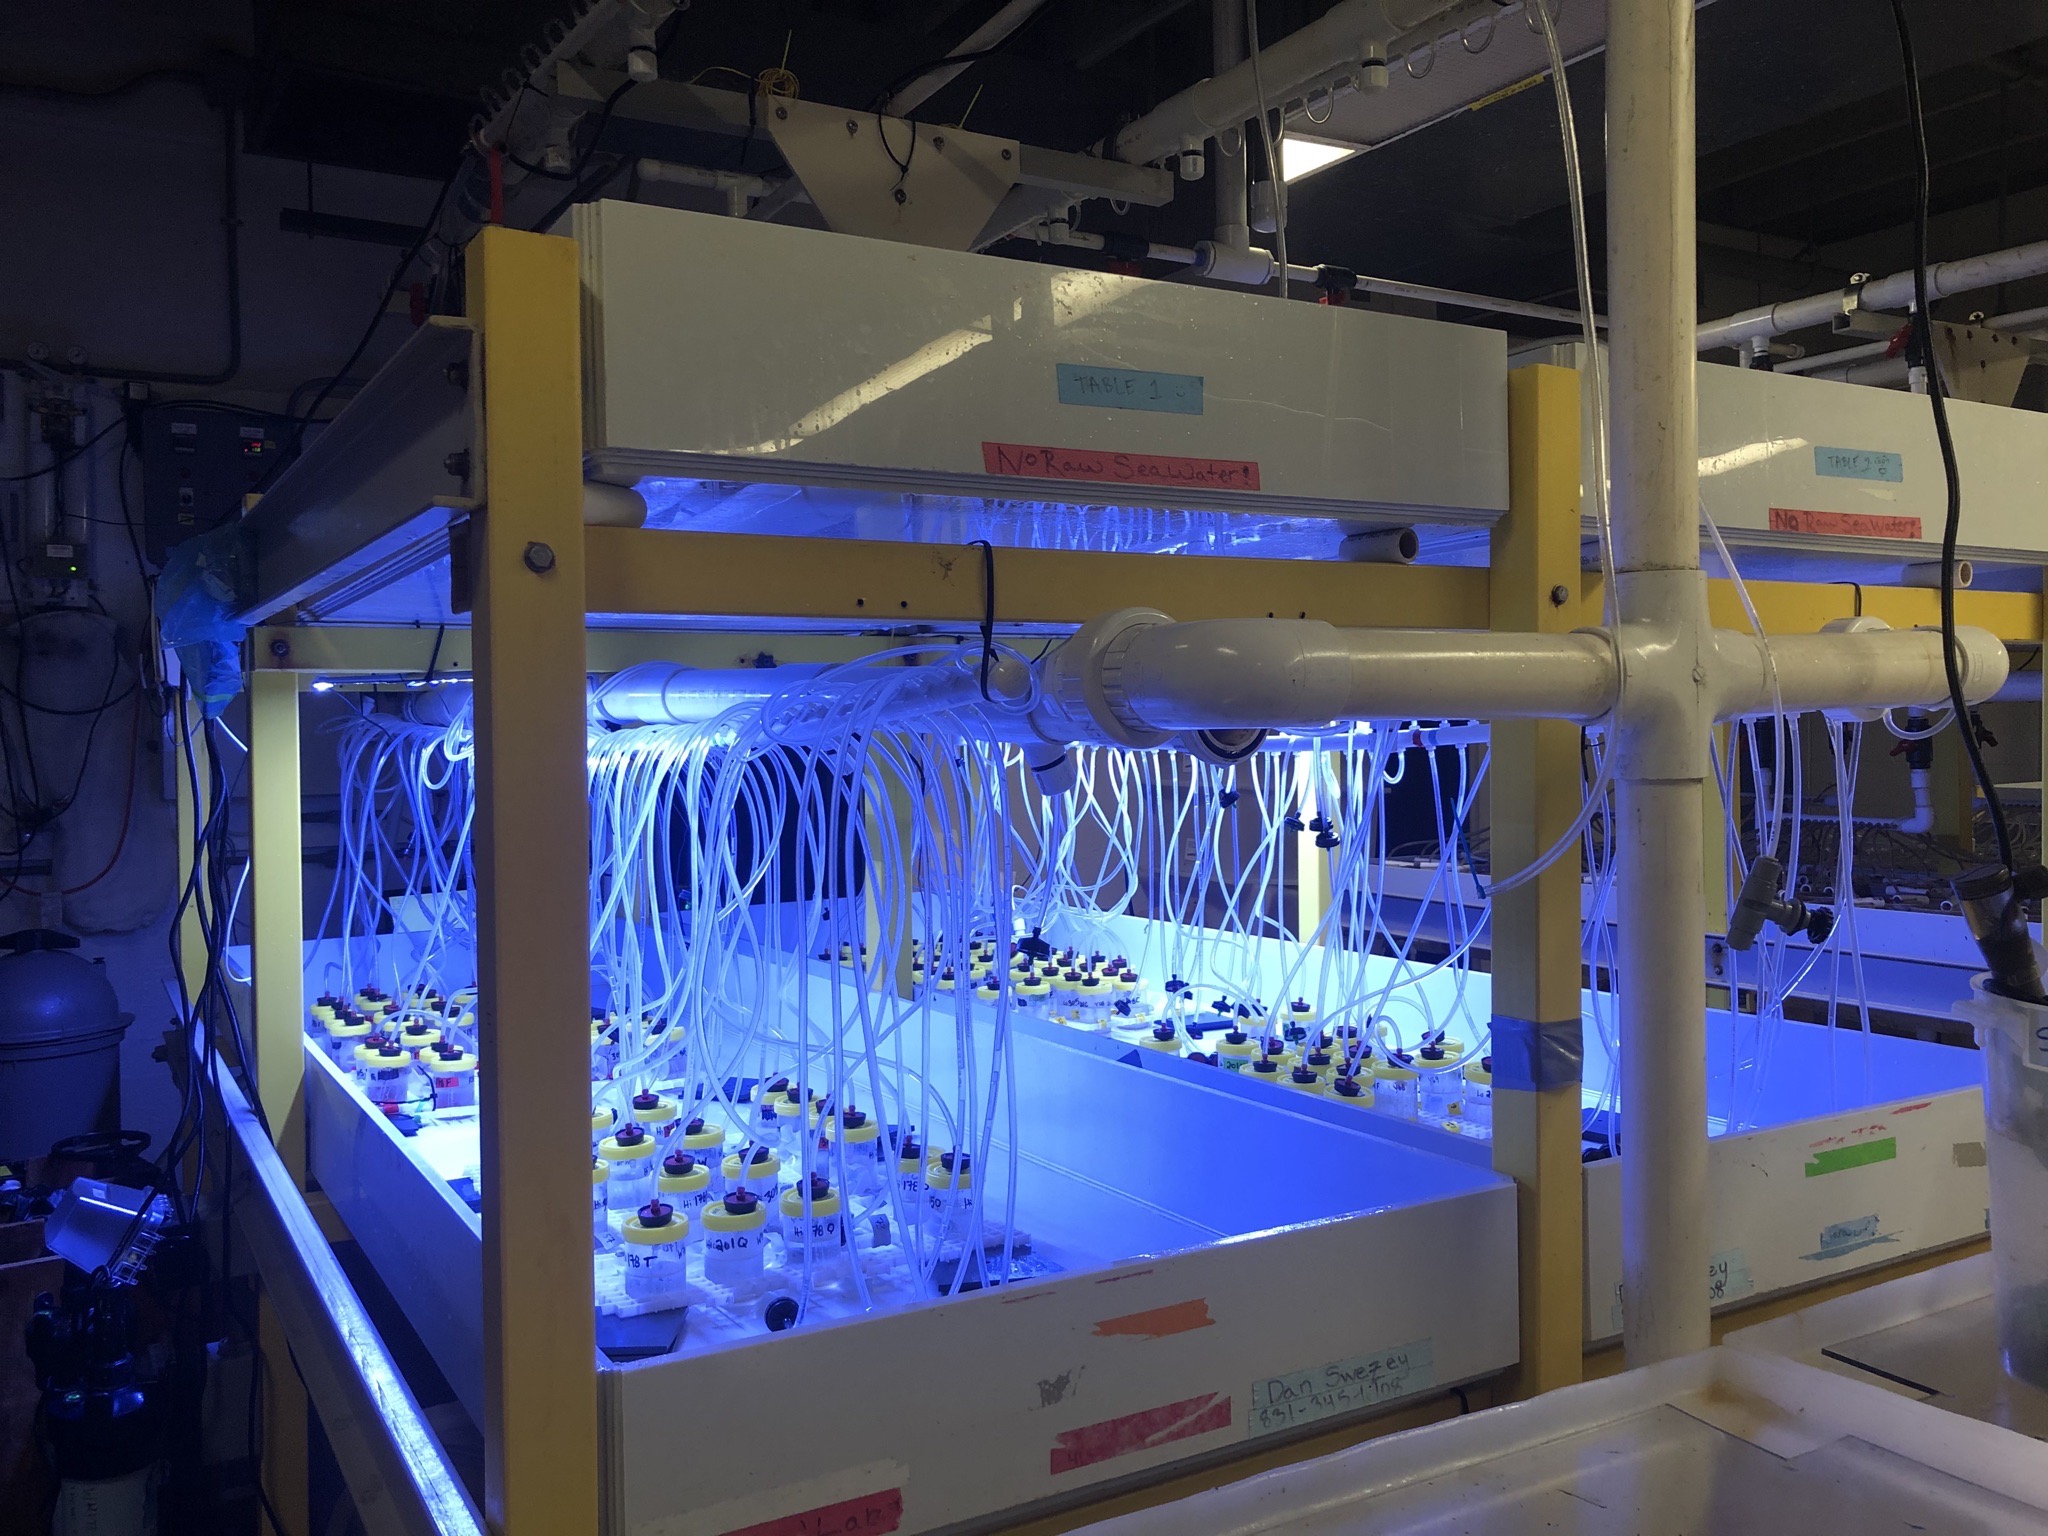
x=824 y=900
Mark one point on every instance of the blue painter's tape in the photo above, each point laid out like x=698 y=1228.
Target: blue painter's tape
x=1532 y=1056
x=1859 y=464
x=1130 y=389
x=1845 y=1237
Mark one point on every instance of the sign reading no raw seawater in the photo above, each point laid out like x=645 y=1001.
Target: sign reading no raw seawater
x=1342 y=1386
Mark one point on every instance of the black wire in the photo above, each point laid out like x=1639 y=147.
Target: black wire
x=97 y=709
x=583 y=158
x=398 y=272
x=988 y=611
x=1923 y=323
x=434 y=658
x=882 y=96
x=57 y=464
x=903 y=165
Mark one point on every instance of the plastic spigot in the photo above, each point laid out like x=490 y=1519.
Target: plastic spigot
x=1760 y=902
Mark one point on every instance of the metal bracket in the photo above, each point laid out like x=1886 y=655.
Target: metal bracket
x=891 y=179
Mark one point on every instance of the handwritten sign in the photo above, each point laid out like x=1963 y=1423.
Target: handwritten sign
x=1728 y=1277
x=1342 y=1386
x=871 y=1514
x=1039 y=462
x=1129 y=389
x=1859 y=464
x=1843 y=525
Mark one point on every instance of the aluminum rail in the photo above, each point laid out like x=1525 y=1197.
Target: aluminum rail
x=397 y=1473
x=1883 y=293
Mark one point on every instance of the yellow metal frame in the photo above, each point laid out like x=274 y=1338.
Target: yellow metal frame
x=1535 y=793
x=533 y=879
x=540 y=578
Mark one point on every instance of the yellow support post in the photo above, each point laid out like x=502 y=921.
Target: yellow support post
x=191 y=816
x=277 y=962
x=1535 y=794
x=533 y=882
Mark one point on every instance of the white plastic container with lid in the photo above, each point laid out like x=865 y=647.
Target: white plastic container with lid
x=949 y=1196
x=452 y=1071
x=1163 y=1038
x=342 y=1035
x=735 y=1240
x=1236 y=1051
x=789 y=1120
x=392 y=1080
x=658 y=1113
x=862 y=1135
x=1305 y=1079
x=652 y=1242
x=909 y=1164
x=816 y=1234
x=1356 y=1091
x=755 y=1169
x=1091 y=1003
x=705 y=1141
x=685 y=1184
x=1439 y=1086
x=1394 y=1090
x=1478 y=1103
x=602 y=1119
x=600 y=1207
x=417 y=1035
x=630 y=1151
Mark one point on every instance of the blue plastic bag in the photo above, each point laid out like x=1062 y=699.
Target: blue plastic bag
x=196 y=599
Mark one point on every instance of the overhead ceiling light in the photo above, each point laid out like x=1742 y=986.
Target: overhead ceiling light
x=1304 y=157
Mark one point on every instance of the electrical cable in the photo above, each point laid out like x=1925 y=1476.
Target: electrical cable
x=398 y=271
x=1923 y=322
x=1274 y=144
x=580 y=188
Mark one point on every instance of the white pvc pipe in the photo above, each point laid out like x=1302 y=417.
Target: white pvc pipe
x=668 y=693
x=1227 y=171
x=1927 y=573
x=1335 y=40
x=1652 y=243
x=1922 y=819
x=1873 y=669
x=1238 y=674
x=1883 y=293
x=741 y=190
x=1381 y=546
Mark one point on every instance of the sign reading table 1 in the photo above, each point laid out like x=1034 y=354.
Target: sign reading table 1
x=1129 y=389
